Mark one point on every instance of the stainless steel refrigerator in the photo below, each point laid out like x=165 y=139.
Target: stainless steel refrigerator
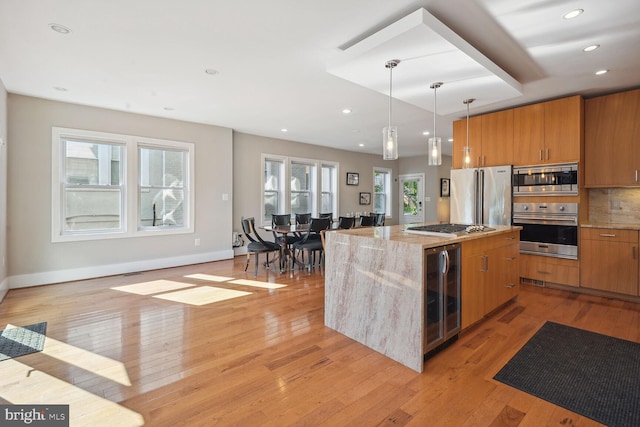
x=481 y=195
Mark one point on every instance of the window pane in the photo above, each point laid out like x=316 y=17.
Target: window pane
x=161 y=168
x=379 y=203
x=273 y=179
x=300 y=177
x=92 y=163
x=162 y=207
x=326 y=203
x=300 y=202
x=92 y=209
x=410 y=198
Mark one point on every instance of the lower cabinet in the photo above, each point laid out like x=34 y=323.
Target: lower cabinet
x=609 y=260
x=549 y=269
x=490 y=275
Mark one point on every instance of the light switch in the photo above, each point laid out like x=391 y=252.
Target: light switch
x=225 y=196
x=427 y=199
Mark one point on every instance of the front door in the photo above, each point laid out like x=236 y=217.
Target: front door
x=411 y=198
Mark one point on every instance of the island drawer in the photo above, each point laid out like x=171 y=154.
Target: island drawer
x=609 y=234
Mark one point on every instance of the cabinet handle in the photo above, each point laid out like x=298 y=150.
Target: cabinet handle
x=510 y=285
x=510 y=238
x=633 y=252
x=484 y=161
x=547 y=154
x=544 y=272
x=485 y=263
x=510 y=258
x=636 y=175
x=607 y=235
x=540 y=154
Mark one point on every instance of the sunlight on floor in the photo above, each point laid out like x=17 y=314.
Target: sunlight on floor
x=21 y=384
x=256 y=284
x=91 y=362
x=209 y=277
x=153 y=287
x=202 y=295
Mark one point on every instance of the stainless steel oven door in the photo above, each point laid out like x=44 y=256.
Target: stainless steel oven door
x=556 y=238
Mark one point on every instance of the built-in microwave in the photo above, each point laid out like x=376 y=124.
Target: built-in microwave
x=546 y=180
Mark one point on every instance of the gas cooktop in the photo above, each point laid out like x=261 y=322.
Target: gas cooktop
x=446 y=230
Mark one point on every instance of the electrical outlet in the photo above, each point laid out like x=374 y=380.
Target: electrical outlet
x=615 y=205
x=197 y=241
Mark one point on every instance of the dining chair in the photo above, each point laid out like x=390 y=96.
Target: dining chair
x=378 y=218
x=327 y=215
x=256 y=244
x=366 y=221
x=303 y=218
x=345 y=222
x=312 y=240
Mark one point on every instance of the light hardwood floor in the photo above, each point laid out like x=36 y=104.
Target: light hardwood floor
x=138 y=355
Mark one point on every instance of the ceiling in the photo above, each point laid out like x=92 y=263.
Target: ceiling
x=295 y=64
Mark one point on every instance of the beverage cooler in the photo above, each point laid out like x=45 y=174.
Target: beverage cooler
x=441 y=296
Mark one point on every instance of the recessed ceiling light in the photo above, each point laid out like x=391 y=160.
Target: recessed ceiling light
x=601 y=72
x=590 y=48
x=60 y=28
x=60 y=88
x=361 y=145
x=450 y=139
x=168 y=108
x=426 y=132
x=346 y=111
x=572 y=14
x=212 y=72
x=284 y=130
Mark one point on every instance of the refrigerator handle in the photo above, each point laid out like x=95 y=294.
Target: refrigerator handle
x=480 y=215
x=476 y=195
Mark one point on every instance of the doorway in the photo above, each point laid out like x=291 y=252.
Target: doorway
x=411 y=198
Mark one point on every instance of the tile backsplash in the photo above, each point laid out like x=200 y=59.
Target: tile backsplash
x=614 y=205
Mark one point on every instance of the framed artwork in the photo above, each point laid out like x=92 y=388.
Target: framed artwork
x=365 y=198
x=353 y=178
x=444 y=187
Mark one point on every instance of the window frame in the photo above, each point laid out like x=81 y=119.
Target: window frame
x=316 y=190
x=388 y=189
x=130 y=209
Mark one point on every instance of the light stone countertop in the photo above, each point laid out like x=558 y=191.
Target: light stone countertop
x=396 y=233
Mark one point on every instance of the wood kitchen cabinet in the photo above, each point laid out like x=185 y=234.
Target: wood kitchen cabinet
x=489 y=275
x=549 y=269
x=460 y=140
x=490 y=138
x=548 y=132
x=609 y=260
x=612 y=133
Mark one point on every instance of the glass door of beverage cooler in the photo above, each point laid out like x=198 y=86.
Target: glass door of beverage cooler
x=441 y=295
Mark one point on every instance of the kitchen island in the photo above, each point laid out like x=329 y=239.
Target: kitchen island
x=375 y=283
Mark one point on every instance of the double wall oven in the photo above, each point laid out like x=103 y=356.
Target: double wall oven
x=549 y=229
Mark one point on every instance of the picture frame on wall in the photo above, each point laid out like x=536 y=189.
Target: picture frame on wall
x=353 y=178
x=365 y=198
x=444 y=187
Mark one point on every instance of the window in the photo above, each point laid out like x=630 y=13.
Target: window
x=382 y=191
x=161 y=187
x=92 y=195
x=298 y=186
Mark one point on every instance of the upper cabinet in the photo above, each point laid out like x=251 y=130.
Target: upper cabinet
x=497 y=139
x=460 y=141
x=548 y=132
x=612 y=136
x=490 y=139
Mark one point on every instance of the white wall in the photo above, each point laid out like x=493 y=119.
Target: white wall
x=33 y=259
x=4 y=281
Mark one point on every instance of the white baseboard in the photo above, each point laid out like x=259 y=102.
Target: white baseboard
x=4 y=288
x=58 y=276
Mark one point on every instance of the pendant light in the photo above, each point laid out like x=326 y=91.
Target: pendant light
x=435 y=143
x=390 y=133
x=467 y=158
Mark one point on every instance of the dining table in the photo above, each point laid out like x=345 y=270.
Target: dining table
x=287 y=257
